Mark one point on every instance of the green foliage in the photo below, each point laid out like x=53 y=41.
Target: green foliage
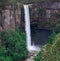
x=50 y=52
x=43 y=24
x=51 y=38
x=52 y=24
x=13 y=46
x=57 y=27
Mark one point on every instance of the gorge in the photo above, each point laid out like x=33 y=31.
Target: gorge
x=34 y=19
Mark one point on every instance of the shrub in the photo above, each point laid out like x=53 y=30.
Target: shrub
x=51 y=38
x=13 y=46
x=50 y=52
x=57 y=27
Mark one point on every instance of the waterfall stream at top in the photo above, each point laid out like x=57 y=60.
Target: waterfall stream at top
x=28 y=30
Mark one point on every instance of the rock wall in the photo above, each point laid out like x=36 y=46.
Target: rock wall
x=41 y=15
x=11 y=16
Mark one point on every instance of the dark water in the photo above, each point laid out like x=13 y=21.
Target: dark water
x=40 y=37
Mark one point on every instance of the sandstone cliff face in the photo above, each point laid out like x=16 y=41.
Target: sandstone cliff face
x=41 y=15
x=11 y=16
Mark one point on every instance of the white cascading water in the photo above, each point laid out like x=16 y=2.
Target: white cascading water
x=28 y=32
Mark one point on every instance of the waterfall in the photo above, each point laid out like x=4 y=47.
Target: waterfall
x=28 y=32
